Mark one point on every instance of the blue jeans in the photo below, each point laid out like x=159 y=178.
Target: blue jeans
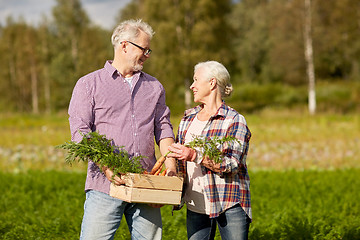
x=233 y=224
x=103 y=213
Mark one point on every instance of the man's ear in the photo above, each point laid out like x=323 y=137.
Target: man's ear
x=123 y=46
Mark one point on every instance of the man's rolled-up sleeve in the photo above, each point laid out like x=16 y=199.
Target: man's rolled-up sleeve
x=163 y=127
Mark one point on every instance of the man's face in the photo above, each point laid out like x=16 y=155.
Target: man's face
x=137 y=56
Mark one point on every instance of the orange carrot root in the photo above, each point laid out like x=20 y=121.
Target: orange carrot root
x=157 y=172
x=163 y=172
x=158 y=165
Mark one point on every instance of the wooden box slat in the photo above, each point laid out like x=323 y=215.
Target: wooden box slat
x=153 y=181
x=145 y=195
x=142 y=188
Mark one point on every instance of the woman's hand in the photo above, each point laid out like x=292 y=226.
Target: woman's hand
x=210 y=164
x=181 y=152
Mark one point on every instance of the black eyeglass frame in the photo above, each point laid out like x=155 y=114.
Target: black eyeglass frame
x=146 y=52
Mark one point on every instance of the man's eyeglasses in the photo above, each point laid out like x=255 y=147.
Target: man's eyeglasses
x=146 y=52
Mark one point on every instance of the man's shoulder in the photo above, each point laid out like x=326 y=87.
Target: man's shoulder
x=150 y=79
x=93 y=74
x=92 y=77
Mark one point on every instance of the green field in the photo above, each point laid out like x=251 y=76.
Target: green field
x=304 y=174
x=286 y=205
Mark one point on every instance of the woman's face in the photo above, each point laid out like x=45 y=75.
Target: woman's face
x=201 y=86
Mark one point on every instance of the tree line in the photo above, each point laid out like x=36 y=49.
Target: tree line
x=259 y=41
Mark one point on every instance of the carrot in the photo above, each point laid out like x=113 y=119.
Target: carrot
x=163 y=172
x=157 y=172
x=158 y=164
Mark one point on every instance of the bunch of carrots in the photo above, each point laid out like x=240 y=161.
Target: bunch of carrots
x=99 y=149
x=156 y=170
x=209 y=146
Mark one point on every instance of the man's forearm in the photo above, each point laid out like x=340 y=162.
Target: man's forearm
x=170 y=163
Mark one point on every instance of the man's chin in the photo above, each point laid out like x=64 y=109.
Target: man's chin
x=138 y=68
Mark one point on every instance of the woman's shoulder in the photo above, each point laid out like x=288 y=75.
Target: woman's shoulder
x=234 y=114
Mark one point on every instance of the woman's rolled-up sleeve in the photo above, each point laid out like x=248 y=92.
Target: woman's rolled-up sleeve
x=235 y=152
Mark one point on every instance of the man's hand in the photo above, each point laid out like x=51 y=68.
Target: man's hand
x=171 y=172
x=181 y=152
x=156 y=205
x=111 y=177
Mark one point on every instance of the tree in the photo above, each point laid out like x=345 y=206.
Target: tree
x=250 y=42
x=15 y=40
x=32 y=55
x=70 y=21
x=309 y=57
x=336 y=39
x=45 y=38
x=186 y=32
x=259 y=41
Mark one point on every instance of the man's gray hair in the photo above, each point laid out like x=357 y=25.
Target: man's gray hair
x=214 y=69
x=129 y=30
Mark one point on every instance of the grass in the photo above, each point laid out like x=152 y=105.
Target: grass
x=280 y=140
x=304 y=178
x=41 y=205
x=286 y=205
x=284 y=141
x=47 y=130
x=306 y=204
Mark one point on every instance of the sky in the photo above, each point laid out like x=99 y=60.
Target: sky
x=100 y=12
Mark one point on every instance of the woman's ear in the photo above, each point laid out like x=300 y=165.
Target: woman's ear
x=213 y=83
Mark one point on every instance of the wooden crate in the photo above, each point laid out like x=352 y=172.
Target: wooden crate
x=142 y=188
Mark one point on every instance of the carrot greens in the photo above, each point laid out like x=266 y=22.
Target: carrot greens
x=100 y=150
x=211 y=146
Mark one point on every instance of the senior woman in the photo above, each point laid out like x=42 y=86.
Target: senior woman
x=214 y=193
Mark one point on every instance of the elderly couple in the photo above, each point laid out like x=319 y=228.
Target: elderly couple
x=128 y=105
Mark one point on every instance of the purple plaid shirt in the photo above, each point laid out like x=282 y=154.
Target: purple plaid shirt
x=232 y=184
x=103 y=101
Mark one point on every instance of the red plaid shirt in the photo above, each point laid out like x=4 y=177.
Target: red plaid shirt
x=232 y=184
